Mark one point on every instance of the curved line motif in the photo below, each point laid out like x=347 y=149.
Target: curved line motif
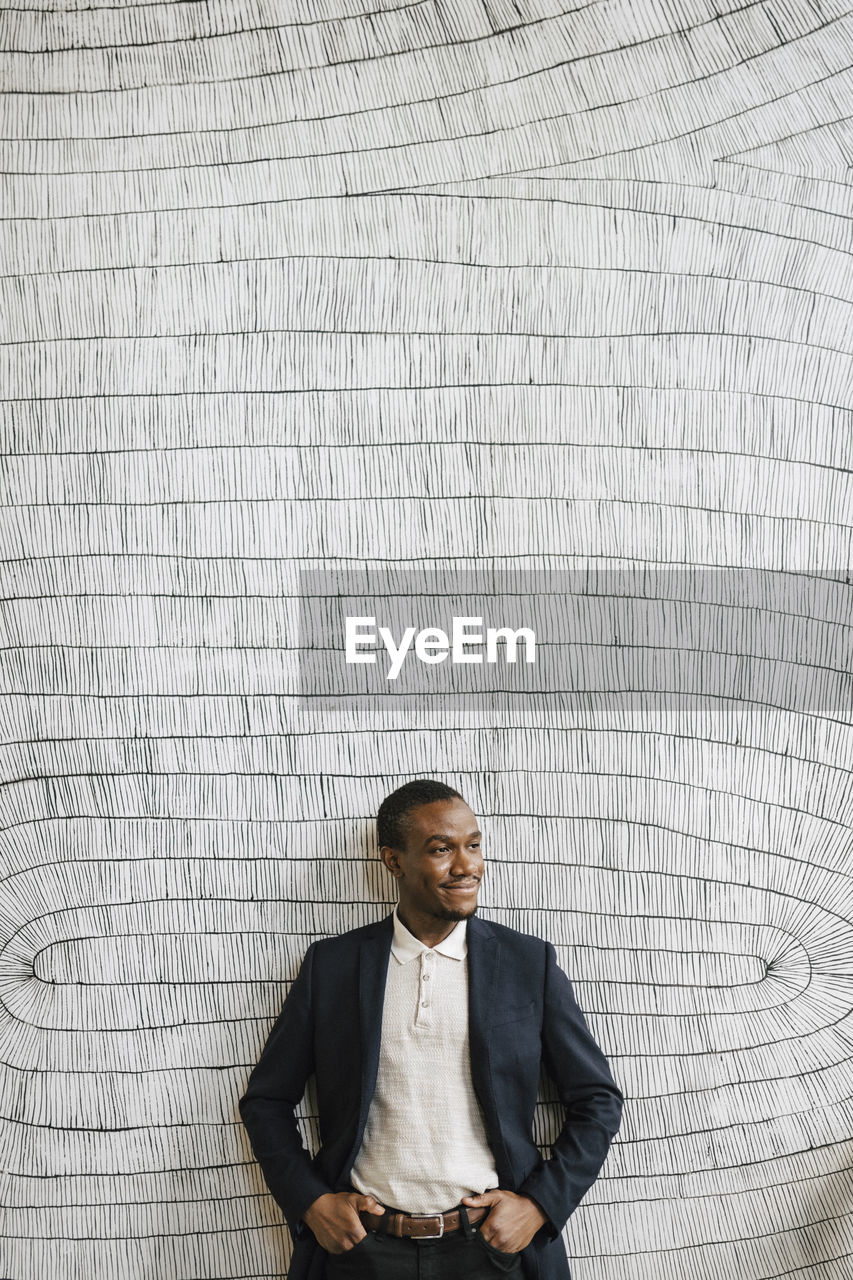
x=502 y=286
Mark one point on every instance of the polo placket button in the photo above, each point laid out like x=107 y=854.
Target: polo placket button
x=423 y=1014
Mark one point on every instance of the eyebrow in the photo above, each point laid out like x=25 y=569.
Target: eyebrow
x=446 y=837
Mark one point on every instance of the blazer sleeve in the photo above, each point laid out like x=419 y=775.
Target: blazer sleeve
x=592 y=1102
x=268 y=1107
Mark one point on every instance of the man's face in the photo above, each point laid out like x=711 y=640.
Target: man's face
x=439 y=872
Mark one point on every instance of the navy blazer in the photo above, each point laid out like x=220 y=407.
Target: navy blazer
x=522 y=1016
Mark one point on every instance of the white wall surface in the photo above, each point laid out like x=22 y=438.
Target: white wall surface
x=335 y=285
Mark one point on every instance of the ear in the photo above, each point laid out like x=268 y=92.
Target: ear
x=391 y=857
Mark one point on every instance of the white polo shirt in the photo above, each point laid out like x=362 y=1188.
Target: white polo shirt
x=425 y=1144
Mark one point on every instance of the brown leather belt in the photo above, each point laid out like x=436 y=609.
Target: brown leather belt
x=419 y=1226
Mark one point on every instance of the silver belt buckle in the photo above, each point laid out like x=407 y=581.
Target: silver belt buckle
x=436 y=1235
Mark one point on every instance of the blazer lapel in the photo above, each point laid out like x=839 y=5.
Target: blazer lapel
x=373 y=968
x=483 y=972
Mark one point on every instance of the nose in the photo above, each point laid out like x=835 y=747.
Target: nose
x=467 y=862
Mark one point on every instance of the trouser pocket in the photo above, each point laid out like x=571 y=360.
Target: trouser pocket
x=508 y=1263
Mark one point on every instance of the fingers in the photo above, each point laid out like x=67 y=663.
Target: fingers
x=368 y=1204
x=488 y=1197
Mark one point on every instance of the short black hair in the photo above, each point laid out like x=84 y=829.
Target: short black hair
x=391 y=819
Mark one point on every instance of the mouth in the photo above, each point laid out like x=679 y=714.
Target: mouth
x=467 y=886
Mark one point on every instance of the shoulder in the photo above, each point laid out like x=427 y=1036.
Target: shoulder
x=345 y=944
x=534 y=960
x=523 y=945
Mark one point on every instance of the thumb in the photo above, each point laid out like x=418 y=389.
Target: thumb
x=368 y=1204
x=488 y=1197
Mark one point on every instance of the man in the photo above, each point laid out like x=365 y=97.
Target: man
x=426 y=1034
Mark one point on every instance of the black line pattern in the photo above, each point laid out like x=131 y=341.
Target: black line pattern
x=496 y=284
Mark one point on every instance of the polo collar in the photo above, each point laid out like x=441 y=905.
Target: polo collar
x=405 y=946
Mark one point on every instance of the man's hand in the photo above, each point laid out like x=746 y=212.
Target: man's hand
x=512 y=1220
x=334 y=1219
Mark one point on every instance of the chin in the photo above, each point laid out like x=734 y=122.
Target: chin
x=455 y=913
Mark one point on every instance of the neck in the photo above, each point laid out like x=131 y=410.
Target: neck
x=427 y=929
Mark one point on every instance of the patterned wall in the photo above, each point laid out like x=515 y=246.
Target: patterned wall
x=342 y=284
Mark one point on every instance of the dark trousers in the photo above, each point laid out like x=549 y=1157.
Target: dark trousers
x=454 y=1257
